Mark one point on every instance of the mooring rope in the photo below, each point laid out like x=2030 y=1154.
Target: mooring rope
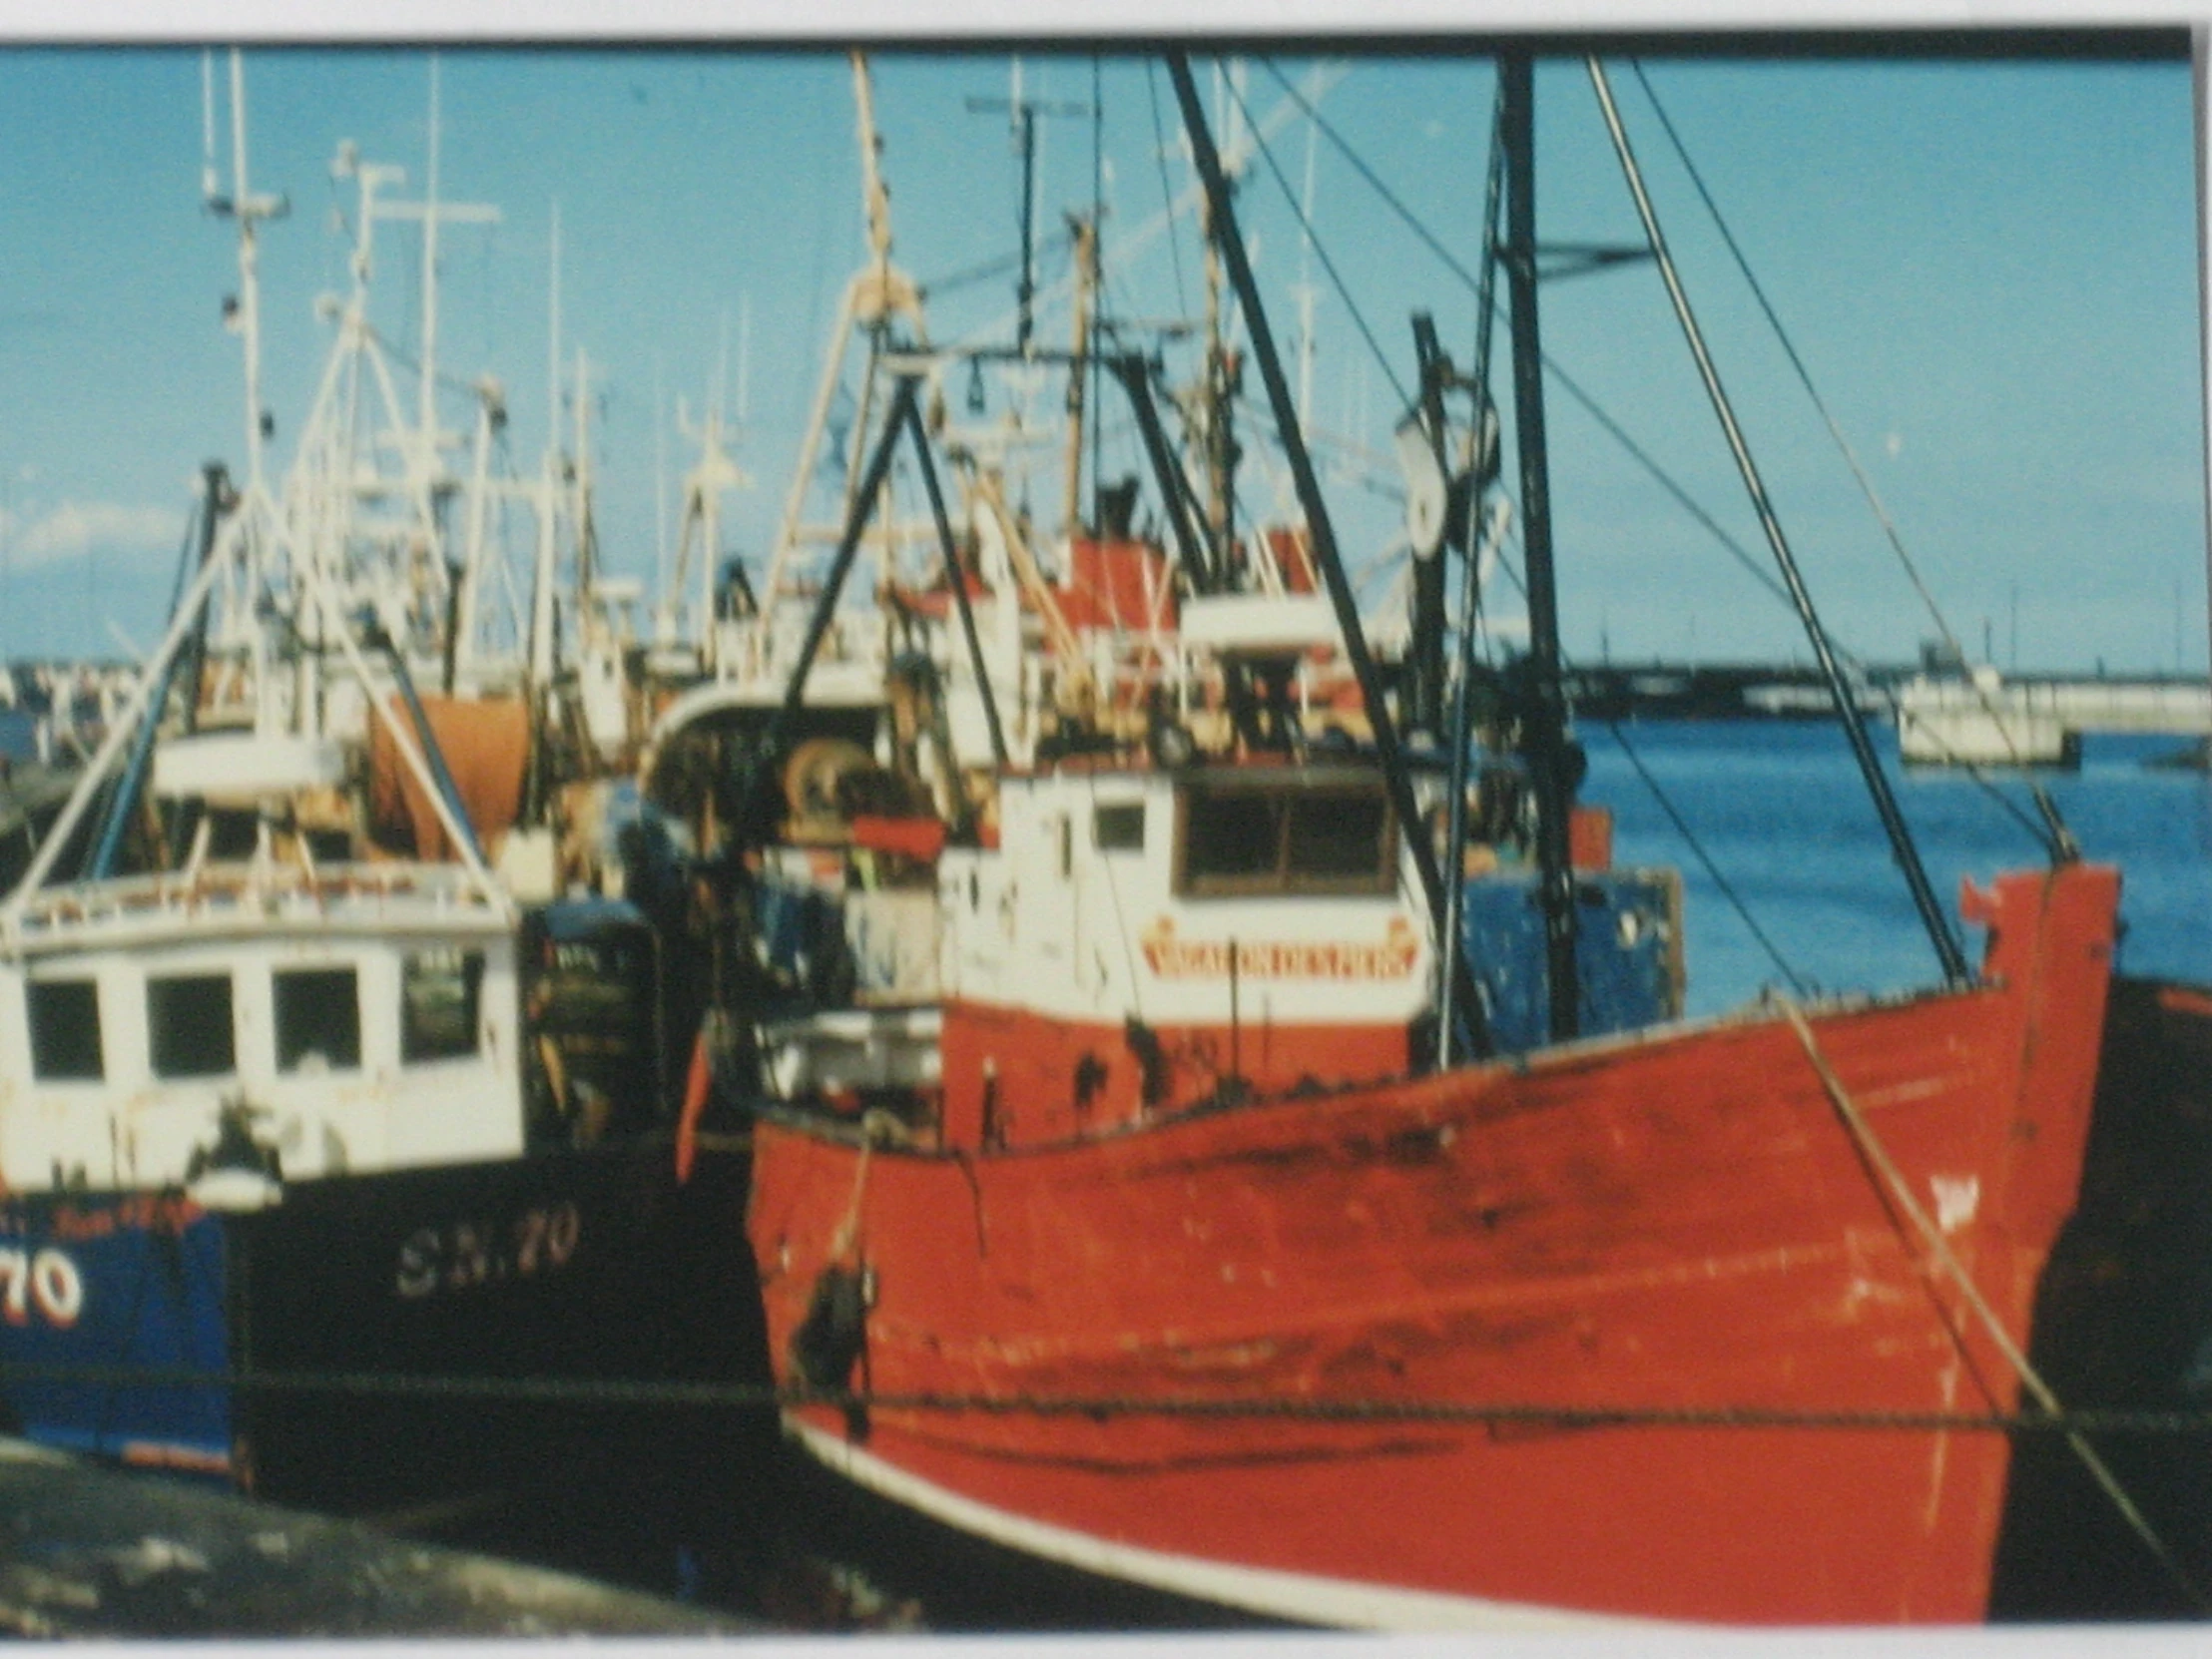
x=682 y=1395
x=1946 y=1260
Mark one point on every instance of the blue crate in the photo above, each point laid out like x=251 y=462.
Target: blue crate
x=1627 y=948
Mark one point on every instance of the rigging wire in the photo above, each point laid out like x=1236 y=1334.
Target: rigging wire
x=1689 y=837
x=1567 y=383
x=1367 y=173
x=1167 y=191
x=2059 y=838
x=989 y=268
x=1713 y=872
x=2053 y=844
x=1326 y=263
x=184 y=552
x=407 y=361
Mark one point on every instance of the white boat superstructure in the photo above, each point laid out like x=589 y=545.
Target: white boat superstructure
x=348 y=1020
x=262 y=988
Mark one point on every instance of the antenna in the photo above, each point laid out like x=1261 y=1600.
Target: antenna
x=431 y=276
x=208 y=185
x=717 y=395
x=244 y=312
x=1024 y=112
x=660 y=481
x=553 y=346
x=745 y=353
x=1305 y=289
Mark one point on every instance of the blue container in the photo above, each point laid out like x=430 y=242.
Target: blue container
x=1628 y=948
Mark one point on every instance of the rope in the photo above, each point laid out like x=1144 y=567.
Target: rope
x=612 y=1391
x=1939 y=1250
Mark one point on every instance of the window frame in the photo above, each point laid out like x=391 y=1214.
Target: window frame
x=1122 y=813
x=331 y=1062
x=474 y=966
x=1286 y=792
x=156 y=1024
x=89 y=983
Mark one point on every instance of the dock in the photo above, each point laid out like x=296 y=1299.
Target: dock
x=87 y=1550
x=1983 y=719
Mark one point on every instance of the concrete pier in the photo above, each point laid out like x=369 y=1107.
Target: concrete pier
x=1982 y=719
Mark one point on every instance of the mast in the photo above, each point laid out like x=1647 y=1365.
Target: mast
x=1223 y=223
x=1462 y=727
x=1079 y=368
x=430 y=275
x=249 y=209
x=1023 y=113
x=1543 y=716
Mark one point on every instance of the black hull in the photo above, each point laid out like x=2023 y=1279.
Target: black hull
x=2123 y=1322
x=575 y=1267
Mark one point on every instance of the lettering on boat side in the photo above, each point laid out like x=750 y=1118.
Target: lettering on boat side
x=45 y=1282
x=169 y=1213
x=1173 y=959
x=470 y=1255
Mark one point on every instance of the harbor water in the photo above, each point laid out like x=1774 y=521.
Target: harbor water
x=711 y=1506
x=1780 y=811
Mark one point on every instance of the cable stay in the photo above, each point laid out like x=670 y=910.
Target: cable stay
x=1947 y=950
x=2060 y=840
x=2055 y=843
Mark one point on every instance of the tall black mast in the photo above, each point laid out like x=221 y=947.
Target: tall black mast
x=1543 y=716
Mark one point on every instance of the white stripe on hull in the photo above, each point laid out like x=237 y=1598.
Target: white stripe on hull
x=1302 y=1597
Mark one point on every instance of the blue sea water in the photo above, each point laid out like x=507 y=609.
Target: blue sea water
x=1780 y=810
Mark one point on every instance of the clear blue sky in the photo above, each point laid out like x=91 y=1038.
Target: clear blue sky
x=1990 y=268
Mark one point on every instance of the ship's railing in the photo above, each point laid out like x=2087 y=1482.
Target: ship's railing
x=432 y=896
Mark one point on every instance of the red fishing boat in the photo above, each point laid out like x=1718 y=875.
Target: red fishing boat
x=1161 y=1243
x=1681 y=1220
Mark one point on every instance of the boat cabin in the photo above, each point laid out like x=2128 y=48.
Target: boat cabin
x=364 y=1027
x=1143 y=941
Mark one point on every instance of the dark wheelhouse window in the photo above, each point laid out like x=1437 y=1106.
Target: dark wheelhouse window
x=440 y=992
x=187 y=1020
x=1336 y=835
x=1285 y=836
x=1118 y=827
x=319 y=1020
x=1230 y=838
x=65 y=1030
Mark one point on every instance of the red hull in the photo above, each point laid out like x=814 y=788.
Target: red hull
x=1679 y=1221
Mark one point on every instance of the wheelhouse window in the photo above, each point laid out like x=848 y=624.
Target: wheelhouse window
x=65 y=1031
x=441 y=994
x=188 y=1022
x=319 y=1020
x=1285 y=835
x=1118 y=827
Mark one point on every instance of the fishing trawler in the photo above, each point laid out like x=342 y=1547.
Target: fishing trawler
x=322 y=1135
x=1242 y=1198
